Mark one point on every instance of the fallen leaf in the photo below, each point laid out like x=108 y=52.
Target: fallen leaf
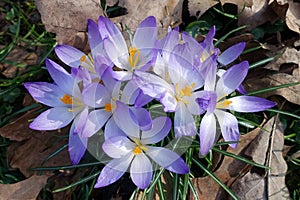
x=68 y=19
x=261 y=12
x=207 y=188
x=32 y=147
x=292 y=93
x=198 y=8
x=266 y=149
x=292 y=15
x=27 y=189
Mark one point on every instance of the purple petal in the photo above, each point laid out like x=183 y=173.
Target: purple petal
x=229 y=127
x=142 y=99
x=250 y=104
x=207 y=101
x=232 y=79
x=184 y=124
x=167 y=159
x=123 y=118
x=160 y=129
x=129 y=93
x=172 y=39
x=207 y=133
x=209 y=39
x=45 y=93
x=77 y=146
x=209 y=71
x=69 y=55
x=61 y=77
x=142 y=118
x=81 y=121
x=95 y=121
x=230 y=54
x=112 y=129
x=241 y=89
x=113 y=171
x=151 y=84
x=96 y=95
x=52 y=119
x=118 y=147
x=141 y=171
x=81 y=74
x=146 y=29
x=95 y=40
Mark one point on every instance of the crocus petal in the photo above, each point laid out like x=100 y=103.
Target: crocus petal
x=129 y=93
x=229 y=126
x=52 y=119
x=45 y=93
x=81 y=121
x=241 y=89
x=109 y=30
x=118 y=147
x=69 y=55
x=62 y=78
x=142 y=99
x=167 y=159
x=249 y=104
x=142 y=118
x=209 y=70
x=112 y=129
x=146 y=29
x=141 y=171
x=172 y=39
x=207 y=133
x=230 y=54
x=96 y=95
x=77 y=145
x=184 y=124
x=81 y=74
x=95 y=121
x=232 y=79
x=113 y=171
x=95 y=40
x=160 y=129
x=151 y=84
x=123 y=118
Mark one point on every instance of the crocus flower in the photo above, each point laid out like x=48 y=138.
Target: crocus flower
x=216 y=102
x=139 y=55
x=178 y=92
x=135 y=151
x=77 y=59
x=64 y=96
x=104 y=100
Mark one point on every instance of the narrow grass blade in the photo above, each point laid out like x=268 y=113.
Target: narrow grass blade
x=273 y=88
x=229 y=33
x=284 y=113
x=199 y=164
x=66 y=167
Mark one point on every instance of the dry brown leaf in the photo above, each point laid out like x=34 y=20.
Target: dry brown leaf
x=27 y=189
x=292 y=15
x=17 y=55
x=291 y=93
x=68 y=19
x=260 y=12
x=33 y=146
x=207 y=188
x=266 y=149
x=198 y=8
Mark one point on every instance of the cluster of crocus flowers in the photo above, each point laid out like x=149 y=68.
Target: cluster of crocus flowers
x=112 y=88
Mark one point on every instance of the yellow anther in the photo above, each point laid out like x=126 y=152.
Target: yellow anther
x=137 y=150
x=83 y=58
x=66 y=99
x=139 y=147
x=134 y=55
x=108 y=107
x=223 y=104
x=186 y=91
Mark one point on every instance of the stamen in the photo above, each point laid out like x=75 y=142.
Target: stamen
x=223 y=104
x=134 y=55
x=139 y=147
x=87 y=62
x=108 y=107
x=186 y=91
x=66 y=99
x=137 y=150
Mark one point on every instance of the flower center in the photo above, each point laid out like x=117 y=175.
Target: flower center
x=134 y=55
x=87 y=62
x=66 y=99
x=108 y=107
x=139 y=148
x=186 y=91
x=69 y=100
x=223 y=104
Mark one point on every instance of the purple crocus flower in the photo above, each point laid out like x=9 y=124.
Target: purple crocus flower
x=104 y=100
x=64 y=96
x=139 y=55
x=177 y=90
x=136 y=151
x=216 y=103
